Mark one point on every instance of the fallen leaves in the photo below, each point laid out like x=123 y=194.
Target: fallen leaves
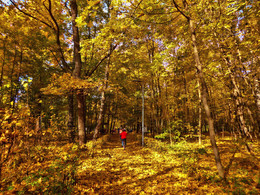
x=104 y=167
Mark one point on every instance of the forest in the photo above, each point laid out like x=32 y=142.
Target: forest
x=181 y=76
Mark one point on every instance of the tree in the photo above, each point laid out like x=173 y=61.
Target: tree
x=204 y=92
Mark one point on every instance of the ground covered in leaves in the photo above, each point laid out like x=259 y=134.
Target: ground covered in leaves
x=104 y=167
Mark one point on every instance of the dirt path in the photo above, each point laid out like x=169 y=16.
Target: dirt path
x=115 y=143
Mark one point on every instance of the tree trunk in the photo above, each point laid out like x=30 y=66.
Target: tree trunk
x=77 y=73
x=111 y=126
x=102 y=103
x=240 y=107
x=257 y=100
x=204 y=96
x=12 y=99
x=154 y=120
x=255 y=91
x=200 y=114
x=101 y=115
x=107 y=110
x=237 y=97
x=18 y=77
x=71 y=118
x=81 y=117
x=185 y=99
x=2 y=71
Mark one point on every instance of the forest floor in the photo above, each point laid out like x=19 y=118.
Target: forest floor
x=154 y=170
x=50 y=166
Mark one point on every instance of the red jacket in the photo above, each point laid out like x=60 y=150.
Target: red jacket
x=123 y=135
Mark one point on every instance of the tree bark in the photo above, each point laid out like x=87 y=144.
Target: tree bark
x=237 y=96
x=200 y=114
x=204 y=96
x=2 y=70
x=18 y=76
x=204 y=92
x=102 y=103
x=81 y=117
x=71 y=118
x=257 y=99
x=240 y=107
x=248 y=83
x=77 y=73
x=12 y=98
x=154 y=118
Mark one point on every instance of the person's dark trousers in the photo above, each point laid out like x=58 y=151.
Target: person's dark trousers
x=124 y=143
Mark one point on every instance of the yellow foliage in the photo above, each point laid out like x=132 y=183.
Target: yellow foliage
x=66 y=83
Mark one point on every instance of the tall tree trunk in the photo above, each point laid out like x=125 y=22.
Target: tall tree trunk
x=185 y=99
x=77 y=73
x=237 y=97
x=248 y=83
x=81 y=117
x=200 y=114
x=107 y=110
x=204 y=92
x=159 y=102
x=18 y=76
x=102 y=103
x=257 y=99
x=96 y=112
x=154 y=120
x=2 y=72
x=204 y=96
x=12 y=98
x=71 y=118
x=38 y=110
x=154 y=103
x=111 y=126
x=239 y=104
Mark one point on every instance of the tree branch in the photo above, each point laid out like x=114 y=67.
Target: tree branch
x=178 y=8
x=56 y=31
x=31 y=16
x=57 y=60
x=89 y=73
x=166 y=22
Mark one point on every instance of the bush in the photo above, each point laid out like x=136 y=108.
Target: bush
x=46 y=169
x=176 y=130
x=156 y=145
x=95 y=144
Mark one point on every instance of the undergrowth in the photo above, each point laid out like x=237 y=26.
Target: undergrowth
x=240 y=180
x=47 y=169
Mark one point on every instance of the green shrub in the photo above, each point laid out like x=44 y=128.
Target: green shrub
x=201 y=151
x=175 y=131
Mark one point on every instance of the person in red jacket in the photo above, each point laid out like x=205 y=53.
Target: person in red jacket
x=123 y=138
